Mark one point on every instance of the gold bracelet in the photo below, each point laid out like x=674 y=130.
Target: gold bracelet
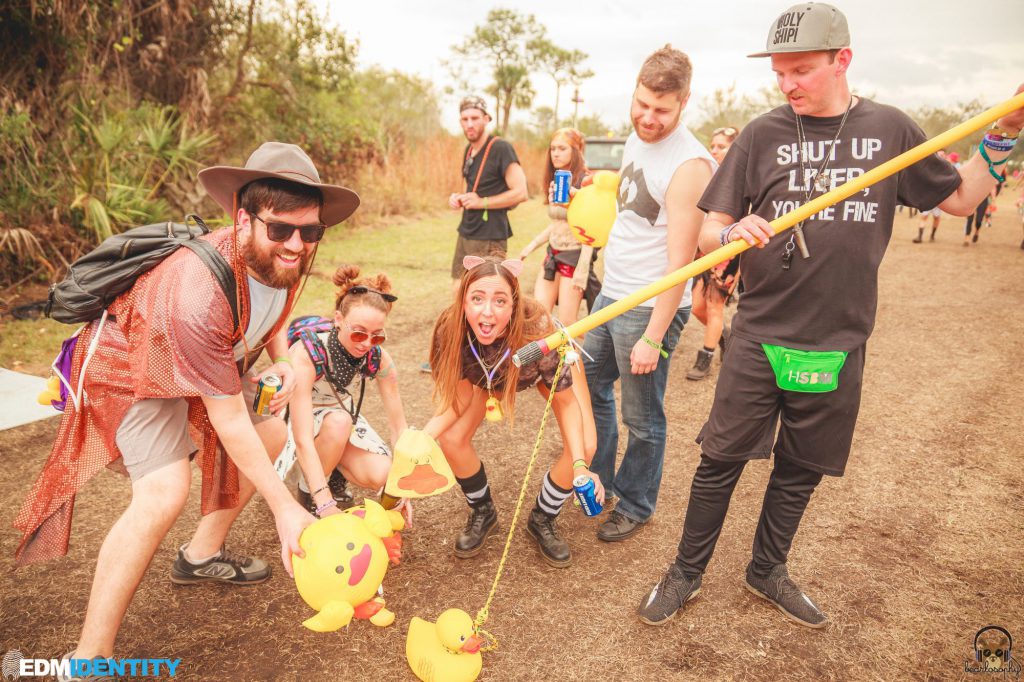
x=997 y=131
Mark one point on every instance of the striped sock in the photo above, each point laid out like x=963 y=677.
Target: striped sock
x=475 y=488
x=551 y=497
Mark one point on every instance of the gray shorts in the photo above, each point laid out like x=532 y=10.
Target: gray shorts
x=154 y=432
x=476 y=247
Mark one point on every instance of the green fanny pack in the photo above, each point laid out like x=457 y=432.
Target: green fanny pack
x=805 y=371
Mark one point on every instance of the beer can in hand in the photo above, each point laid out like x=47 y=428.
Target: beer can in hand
x=265 y=391
x=583 y=488
x=563 y=180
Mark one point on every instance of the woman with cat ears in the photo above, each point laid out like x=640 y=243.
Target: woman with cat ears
x=474 y=379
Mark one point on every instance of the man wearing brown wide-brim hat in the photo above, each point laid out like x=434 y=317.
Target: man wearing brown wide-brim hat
x=168 y=381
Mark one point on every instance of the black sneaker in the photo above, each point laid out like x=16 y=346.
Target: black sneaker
x=306 y=500
x=554 y=549
x=339 y=488
x=618 y=527
x=702 y=367
x=226 y=567
x=482 y=520
x=667 y=597
x=787 y=597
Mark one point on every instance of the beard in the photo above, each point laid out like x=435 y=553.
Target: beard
x=262 y=263
x=659 y=133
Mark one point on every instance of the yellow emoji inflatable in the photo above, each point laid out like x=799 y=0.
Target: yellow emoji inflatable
x=593 y=209
x=345 y=562
x=419 y=468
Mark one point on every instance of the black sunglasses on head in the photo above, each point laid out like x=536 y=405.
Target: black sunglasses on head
x=282 y=232
x=360 y=289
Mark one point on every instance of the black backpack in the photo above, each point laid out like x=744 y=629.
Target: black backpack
x=97 y=278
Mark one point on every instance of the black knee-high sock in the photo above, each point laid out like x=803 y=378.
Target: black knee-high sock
x=789 y=490
x=551 y=497
x=710 y=492
x=475 y=488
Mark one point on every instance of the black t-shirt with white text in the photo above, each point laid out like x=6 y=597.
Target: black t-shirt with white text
x=828 y=301
x=492 y=182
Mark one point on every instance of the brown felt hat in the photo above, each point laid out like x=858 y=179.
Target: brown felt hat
x=283 y=161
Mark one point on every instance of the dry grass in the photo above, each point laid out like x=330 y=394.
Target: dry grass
x=910 y=553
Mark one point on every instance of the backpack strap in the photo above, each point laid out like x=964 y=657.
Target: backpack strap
x=220 y=268
x=315 y=349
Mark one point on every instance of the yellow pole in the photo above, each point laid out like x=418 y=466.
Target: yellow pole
x=533 y=351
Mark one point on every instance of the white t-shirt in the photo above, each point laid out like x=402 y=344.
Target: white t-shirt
x=637 y=250
x=265 y=306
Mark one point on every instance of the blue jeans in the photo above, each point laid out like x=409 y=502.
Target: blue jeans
x=638 y=479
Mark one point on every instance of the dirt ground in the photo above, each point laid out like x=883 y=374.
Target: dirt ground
x=915 y=549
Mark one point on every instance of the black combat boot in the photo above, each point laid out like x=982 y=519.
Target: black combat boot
x=339 y=489
x=483 y=519
x=554 y=549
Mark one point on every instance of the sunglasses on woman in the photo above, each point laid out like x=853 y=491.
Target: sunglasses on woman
x=360 y=289
x=359 y=336
x=282 y=232
x=728 y=132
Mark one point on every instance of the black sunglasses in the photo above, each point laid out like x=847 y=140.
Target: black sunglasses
x=360 y=289
x=282 y=232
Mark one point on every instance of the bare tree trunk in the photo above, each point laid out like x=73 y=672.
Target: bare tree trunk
x=236 y=87
x=558 y=92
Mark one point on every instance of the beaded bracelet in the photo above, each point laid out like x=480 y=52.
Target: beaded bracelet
x=654 y=344
x=319 y=490
x=325 y=506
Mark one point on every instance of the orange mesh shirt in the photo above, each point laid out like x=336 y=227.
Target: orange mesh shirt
x=172 y=338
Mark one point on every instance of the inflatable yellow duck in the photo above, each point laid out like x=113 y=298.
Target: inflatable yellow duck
x=593 y=209
x=394 y=523
x=419 y=468
x=446 y=651
x=345 y=562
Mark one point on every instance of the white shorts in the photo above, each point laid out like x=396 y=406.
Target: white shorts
x=363 y=436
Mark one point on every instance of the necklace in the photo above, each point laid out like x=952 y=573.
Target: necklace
x=821 y=182
x=493 y=407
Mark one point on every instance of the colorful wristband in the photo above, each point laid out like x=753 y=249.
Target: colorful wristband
x=580 y=464
x=999 y=144
x=325 y=506
x=654 y=344
x=991 y=164
x=283 y=358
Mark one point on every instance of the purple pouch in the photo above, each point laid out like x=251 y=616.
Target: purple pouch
x=62 y=367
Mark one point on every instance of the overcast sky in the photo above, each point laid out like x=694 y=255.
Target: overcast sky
x=906 y=52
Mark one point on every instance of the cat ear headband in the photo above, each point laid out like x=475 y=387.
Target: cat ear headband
x=513 y=265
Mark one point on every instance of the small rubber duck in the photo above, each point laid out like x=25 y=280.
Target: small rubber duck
x=51 y=394
x=445 y=651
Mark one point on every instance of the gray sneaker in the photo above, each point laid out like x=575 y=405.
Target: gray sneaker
x=227 y=567
x=80 y=678
x=667 y=597
x=787 y=597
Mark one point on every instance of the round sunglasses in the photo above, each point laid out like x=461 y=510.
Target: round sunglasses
x=359 y=336
x=282 y=232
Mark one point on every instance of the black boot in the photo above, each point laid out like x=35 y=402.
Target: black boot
x=339 y=489
x=702 y=367
x=306 y=500
x=483 y=518
x=554 y=549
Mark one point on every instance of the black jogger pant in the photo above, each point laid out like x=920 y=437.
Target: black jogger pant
x=785 y=499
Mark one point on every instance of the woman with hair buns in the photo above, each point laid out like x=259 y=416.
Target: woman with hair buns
x=474 y=379
x=332 y=367
x=567 y=274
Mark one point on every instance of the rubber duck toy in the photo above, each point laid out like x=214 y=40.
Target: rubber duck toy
x=341 y=574
x=51 y=394
x=445 y=651
x=593 y=209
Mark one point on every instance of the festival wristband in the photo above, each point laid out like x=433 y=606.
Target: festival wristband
x=996 y=131
x=485 y=209
x=723 y=236
x=283 y=358
x=991 y=164
x=999 y=144
x=580 y=464
x=655 y=345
